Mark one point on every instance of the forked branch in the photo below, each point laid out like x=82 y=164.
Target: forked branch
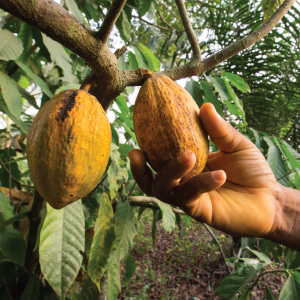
x=110 y=20
x=189 y=30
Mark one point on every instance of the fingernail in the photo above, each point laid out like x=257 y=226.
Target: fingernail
x=217 y=175
x=183 y=158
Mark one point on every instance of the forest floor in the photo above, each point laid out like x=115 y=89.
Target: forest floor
x=180 y=266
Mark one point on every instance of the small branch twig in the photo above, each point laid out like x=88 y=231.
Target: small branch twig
x=119 y=52
x=189 y=29
x=150 y=203
x=151 y=24
x=220 y=247
x=12 y=177
x=164 y=21
x=285 y=175
x=110 y=20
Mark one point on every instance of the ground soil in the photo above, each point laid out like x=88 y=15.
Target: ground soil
x=187 y=267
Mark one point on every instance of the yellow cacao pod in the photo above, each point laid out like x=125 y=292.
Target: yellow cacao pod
x=68 y=147
x=166 y=123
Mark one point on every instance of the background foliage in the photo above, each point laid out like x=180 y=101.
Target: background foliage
x=256 y=91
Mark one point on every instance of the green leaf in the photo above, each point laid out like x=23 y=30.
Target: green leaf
x=132 y=61
x=141 y=59
x=125 y=232
x=276 y=162
x=89 y=290
x=129 y=131
x=124 y=26
x=38 y=80
x=212 y=98
x=269 y=294
x=11 y=95
x=144 y=6
x=219 y=87
x=24 y=127
x=153 y=62
x=33 y=289
x=12 y=244
x=10 y=45
x=60 y=57
x=61 y=240
x=113 y=282
x=263 y=257
x=25 y=35
x=125 y=119
x=122 y=104
x=73 y=8
x=233 y=102
x=67 y=86
x=168 y=216
x=269 y=7
x=157 y=215
x=238 y=82
x=291 y=288
x=12 y=220
x=234 y=283
x=26 y=95
x=246 y=294
x=129 y=268
x=194 y=89
x=102 y=242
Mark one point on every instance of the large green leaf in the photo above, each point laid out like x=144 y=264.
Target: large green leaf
x=12 y=244
x=60 y=57
x=233 y=283
x=269 y=293
x=61 y=240
x=140 y=57
x=276 y=162
x=38 y=80
x=102 y=242
x=291 y=288
x=168 y=216
x=124 y=26
x=237 y=81
x=153 y=61
x=194 y=89
x=25 y=35
x=10 y=45
x=114 y=282
x=125 y=232
x=212 y=98
x=144 y=6
x=130 y=268
x=11 y=95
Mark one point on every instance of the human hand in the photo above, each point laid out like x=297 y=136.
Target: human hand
x=236 y=192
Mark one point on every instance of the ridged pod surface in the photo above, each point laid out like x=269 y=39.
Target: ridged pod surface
x=68 y=147
x=166 y=123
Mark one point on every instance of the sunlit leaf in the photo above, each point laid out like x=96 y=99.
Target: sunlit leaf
x=10 y=45
x=153 y=62
x=61 y=240
x=237 y=81
x=291 y=288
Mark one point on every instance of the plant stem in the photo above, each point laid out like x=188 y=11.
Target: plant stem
x=219 y=245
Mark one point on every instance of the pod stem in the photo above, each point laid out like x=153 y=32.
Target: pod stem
x=87 y=82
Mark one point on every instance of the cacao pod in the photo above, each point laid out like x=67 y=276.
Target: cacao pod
x=166 y=123
x=68 y=147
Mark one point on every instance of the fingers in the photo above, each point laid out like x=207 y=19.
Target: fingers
x=168 y=178
x=191 y=190
x=221 y=132
x=140 y=171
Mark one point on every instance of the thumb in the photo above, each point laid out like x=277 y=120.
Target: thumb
x=221 y=132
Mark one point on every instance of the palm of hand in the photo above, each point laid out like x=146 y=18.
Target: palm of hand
x=245 y=204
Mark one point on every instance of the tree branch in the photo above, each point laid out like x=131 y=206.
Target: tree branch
x=136 y=200
x=110 y=20
x=189 y=30
x=194 y=67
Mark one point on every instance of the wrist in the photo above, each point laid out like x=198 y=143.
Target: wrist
x=286 y=225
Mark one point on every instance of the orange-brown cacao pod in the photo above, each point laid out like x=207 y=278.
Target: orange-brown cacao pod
x=68 y=147
x=166 y=123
